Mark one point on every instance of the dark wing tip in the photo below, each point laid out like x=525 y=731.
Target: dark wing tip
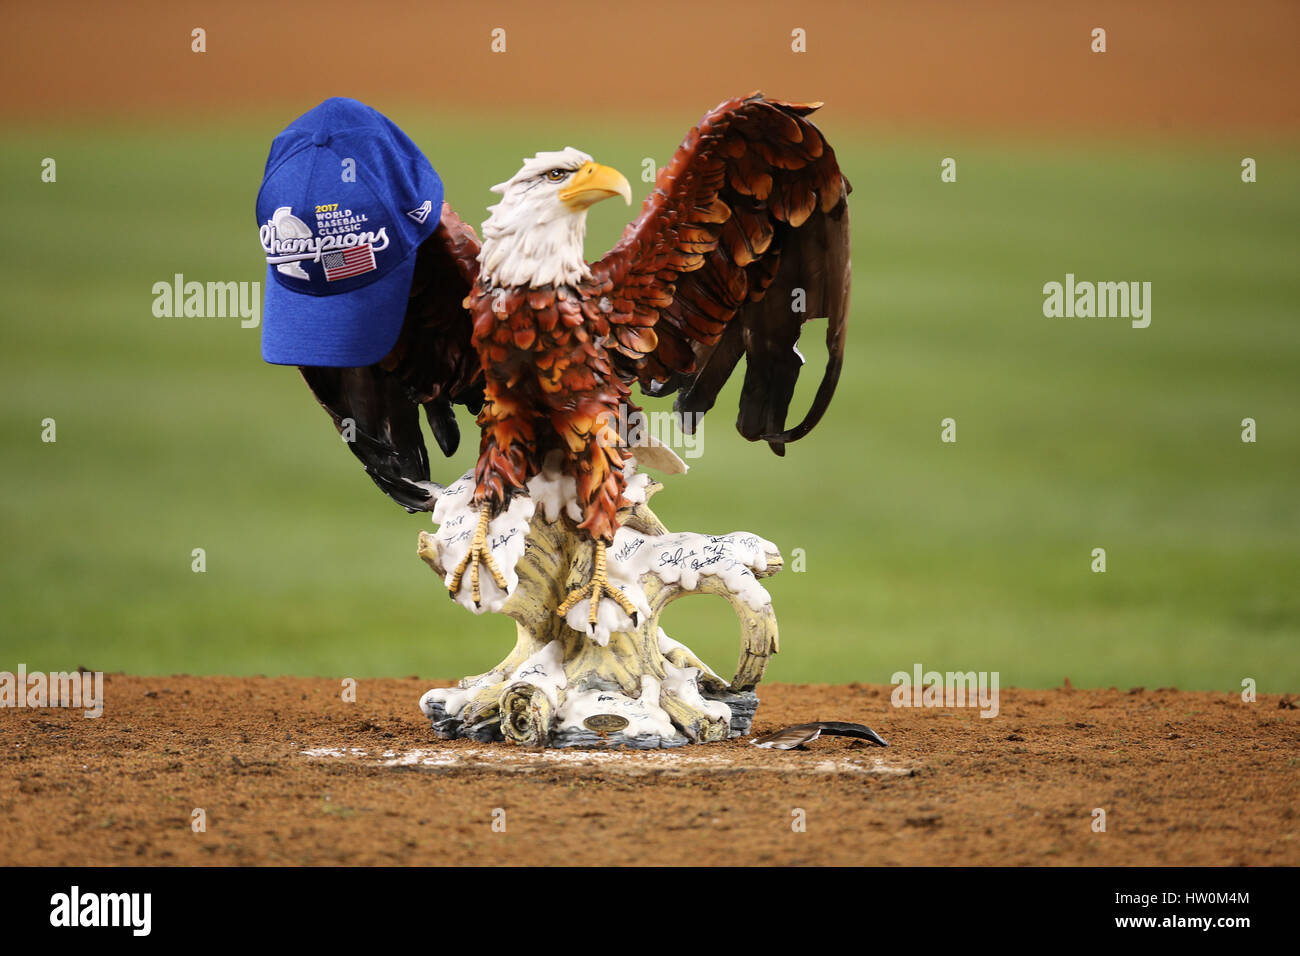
x=789 y=738
x=840 y=728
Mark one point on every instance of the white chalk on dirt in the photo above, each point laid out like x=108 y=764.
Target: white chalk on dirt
x=634 y=762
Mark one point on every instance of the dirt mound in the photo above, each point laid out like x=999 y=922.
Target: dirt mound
x=286 y=772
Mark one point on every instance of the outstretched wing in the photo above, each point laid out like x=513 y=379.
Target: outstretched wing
x=433 y=365
x=747 y=225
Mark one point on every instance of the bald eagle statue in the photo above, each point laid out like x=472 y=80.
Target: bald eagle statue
x=748 y=218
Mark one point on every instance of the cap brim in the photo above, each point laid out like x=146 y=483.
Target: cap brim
x=300 y=329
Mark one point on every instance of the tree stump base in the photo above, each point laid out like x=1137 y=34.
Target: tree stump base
x=619 y=683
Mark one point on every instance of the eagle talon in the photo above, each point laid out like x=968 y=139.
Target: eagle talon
x=596 y=589
x=478 y=554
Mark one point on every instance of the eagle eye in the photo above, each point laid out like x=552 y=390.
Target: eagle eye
x=556 y=175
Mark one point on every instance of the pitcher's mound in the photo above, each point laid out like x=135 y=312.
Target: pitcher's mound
x=197 y=770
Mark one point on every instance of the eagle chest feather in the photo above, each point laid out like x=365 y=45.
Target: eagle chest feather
x=548 y=340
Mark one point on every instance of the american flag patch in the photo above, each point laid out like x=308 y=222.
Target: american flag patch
x=348 y=262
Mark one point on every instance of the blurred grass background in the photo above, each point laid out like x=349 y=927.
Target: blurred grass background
x=1072 y=434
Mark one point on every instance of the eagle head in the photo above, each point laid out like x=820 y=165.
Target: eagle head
x=534 y=235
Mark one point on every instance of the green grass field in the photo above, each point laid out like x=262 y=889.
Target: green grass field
x=1072 y=433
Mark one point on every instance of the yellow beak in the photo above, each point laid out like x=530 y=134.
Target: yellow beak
x=592 y=183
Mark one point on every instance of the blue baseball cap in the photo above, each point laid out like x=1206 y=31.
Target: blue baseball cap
x=345 y=202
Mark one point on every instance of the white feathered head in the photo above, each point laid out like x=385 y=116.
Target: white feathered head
x=534 y=235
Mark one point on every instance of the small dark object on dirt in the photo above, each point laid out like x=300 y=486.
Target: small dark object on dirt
x=795 y=737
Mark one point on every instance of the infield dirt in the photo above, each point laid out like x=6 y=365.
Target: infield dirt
x=1172 y=67
x=286 y=772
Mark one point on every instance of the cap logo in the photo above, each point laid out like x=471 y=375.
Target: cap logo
x=343 y=250
x=422 y=213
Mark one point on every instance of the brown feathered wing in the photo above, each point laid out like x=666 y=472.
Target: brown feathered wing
x=432 y=366
x=747 y=225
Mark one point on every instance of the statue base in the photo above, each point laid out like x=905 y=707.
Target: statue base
x=620 y=682
x=742 y=707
